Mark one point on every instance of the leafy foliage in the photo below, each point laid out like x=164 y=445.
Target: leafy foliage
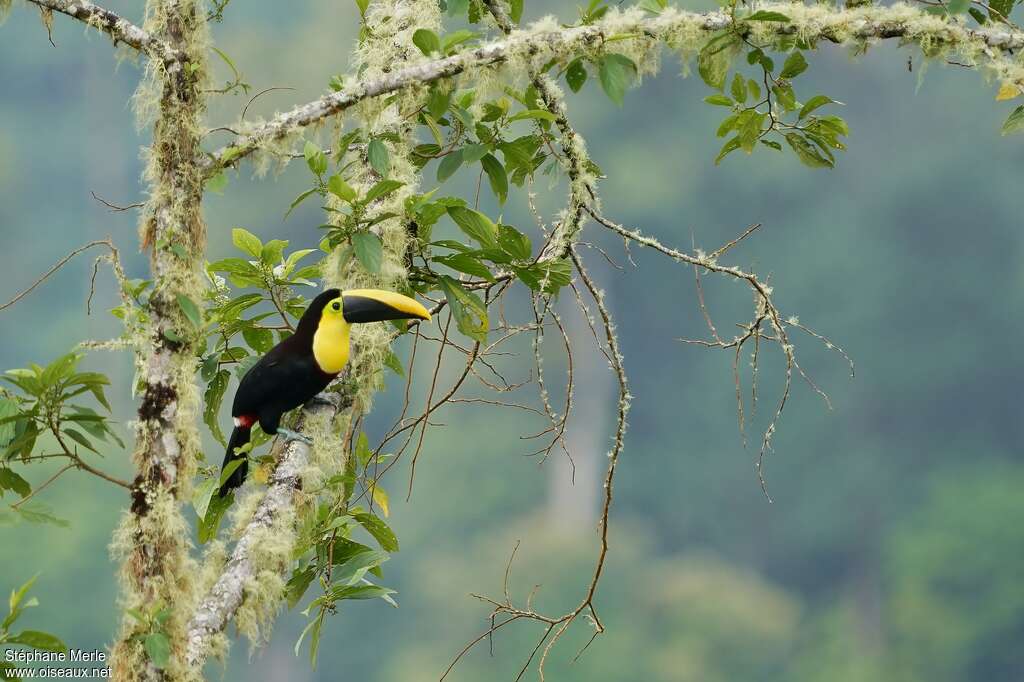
x=46 y=401
x=18 y=603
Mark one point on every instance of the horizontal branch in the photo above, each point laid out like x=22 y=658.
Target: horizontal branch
x=222 y=601
x=117 y=27
x=541 y=42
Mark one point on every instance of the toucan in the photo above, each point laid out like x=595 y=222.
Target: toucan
x=295 y=370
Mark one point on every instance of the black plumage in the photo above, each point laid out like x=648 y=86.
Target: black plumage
x=295 y=370
x=285 y=378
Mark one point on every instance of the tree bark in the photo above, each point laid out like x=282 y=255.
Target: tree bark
x=153 y=537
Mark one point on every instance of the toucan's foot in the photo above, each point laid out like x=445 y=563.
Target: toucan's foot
x=294 y=435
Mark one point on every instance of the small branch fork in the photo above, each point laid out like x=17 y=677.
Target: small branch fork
x=765 y=312
x=117 y=27
x=766 y=317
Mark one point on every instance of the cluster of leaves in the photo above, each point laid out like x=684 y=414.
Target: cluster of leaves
x=34 y=639
x=766 y=110
x=47 y=402
x=153 y=636
x=327 y=552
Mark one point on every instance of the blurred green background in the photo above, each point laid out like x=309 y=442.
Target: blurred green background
x=893 y=549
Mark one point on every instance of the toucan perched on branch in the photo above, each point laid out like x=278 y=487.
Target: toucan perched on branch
x=295 y=370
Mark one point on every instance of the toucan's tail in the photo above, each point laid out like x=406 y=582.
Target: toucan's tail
x=239 y=437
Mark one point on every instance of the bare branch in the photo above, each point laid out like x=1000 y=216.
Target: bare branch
x=57 y=266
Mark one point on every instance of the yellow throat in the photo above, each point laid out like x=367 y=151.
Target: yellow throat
x=330 y=343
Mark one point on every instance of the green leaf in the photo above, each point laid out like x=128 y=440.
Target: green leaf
x=360 y=592
x=209 y=523
x=260 y=340
x=427 y=41
x=469 y=311
x=814 y=103
x=472 y=153
x=739 y=88
x=766 y=15
x=369 y=250
x=38 y=640
x=1000 y=9
x=438 y=100
x=15 y=605
x=456 y=38
x=496 y=176
x=380 y=159
x=298 y=584
x=40 y=513
x=212 y=399
x=217 y=183
x=515 y=10
x=754 y=89
x=794 y=66
x=315 y=158
x=958 y=6
x=273 y=252
x=392 y=362
x=457 y=8
x=616 y=72
x=475 y=224
x=784 y=96
x=353 y=570
x=246 y=241
x=514 y=243
x=191 y=310
x=532 y=114
x=380 y=531
x=298 y=200
x=576 y=74
x=730 y=146
x=158 y=648
x=547 y=277
x=79 y=438
x=229 y=468
x=1014 y=122
x=340 y=189
x=449 y=164
x=719 y=100
x=12 y=481
x=8 y=408
x=463 y=262
x=362 y=5
x=202 y=494
x=714 y=60
x=807 y=152
x=382 y=189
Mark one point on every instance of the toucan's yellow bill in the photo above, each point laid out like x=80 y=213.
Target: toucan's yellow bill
x=375 y=305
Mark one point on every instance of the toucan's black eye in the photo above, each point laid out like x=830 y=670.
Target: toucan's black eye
x=336 y=305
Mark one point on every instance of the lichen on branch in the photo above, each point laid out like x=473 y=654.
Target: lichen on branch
x=637 y=33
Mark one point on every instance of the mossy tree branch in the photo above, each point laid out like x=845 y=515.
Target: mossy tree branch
x=117 y=27
x=153 y=538
x=236 y=592
x=221 y=602
x=991 y=46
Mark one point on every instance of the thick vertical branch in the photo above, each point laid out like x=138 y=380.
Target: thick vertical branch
x=248 y=586
x=153 y=538
x=387 y=48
